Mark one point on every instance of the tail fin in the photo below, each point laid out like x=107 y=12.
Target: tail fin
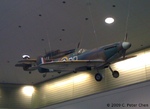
x=40 y=60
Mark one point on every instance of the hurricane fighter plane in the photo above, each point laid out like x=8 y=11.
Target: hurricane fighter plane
x=78 y=60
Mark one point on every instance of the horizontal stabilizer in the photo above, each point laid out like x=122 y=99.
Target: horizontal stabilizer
x=20 y=65
x=28 y=60
x=33 y=68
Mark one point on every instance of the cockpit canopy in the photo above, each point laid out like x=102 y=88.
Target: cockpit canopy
x=80 y=51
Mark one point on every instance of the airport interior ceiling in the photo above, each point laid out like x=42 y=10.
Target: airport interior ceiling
x=38 y=26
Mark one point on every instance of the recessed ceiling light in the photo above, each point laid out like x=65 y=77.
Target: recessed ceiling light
x=63 y=29
x=42 y=39
x=113 y=5
x=109 y=20
x=64 y=2
x=86 y=18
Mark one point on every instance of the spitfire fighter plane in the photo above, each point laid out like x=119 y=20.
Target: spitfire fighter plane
x=78 y=60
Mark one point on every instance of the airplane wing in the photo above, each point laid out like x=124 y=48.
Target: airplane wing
x=58 y=53
x=125 y=58
x=71 y=65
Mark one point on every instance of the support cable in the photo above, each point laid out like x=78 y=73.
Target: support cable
x=47 y=35
x=127 y=20
x=90 y=12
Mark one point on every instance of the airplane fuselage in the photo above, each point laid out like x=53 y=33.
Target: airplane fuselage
x=78 y=60
x=106 y=53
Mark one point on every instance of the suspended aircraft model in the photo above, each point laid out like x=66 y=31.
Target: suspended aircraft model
x=78 y=60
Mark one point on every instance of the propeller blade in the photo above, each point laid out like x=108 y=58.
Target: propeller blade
x=78 y=45
x=124 y=54
x=126 y=38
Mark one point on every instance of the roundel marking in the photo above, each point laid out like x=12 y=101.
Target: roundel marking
x=64 y=59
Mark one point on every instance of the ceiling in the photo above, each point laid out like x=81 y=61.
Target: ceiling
x=35 y=26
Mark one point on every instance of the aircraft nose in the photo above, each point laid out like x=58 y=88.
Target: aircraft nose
x=126 y=45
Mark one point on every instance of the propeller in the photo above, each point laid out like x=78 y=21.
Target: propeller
x=126 y=38
x=126 y=45
x=124 y=54
x=78 y=45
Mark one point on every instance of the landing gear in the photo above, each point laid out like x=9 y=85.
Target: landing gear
x=98 y=77
x=29 y=72
x=115 y=73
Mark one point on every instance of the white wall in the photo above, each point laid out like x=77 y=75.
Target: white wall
x=124 y=98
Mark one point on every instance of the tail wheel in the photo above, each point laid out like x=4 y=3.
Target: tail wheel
x=115 y=74
x=98 y=77
x=44 y=75
x=26 y=67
